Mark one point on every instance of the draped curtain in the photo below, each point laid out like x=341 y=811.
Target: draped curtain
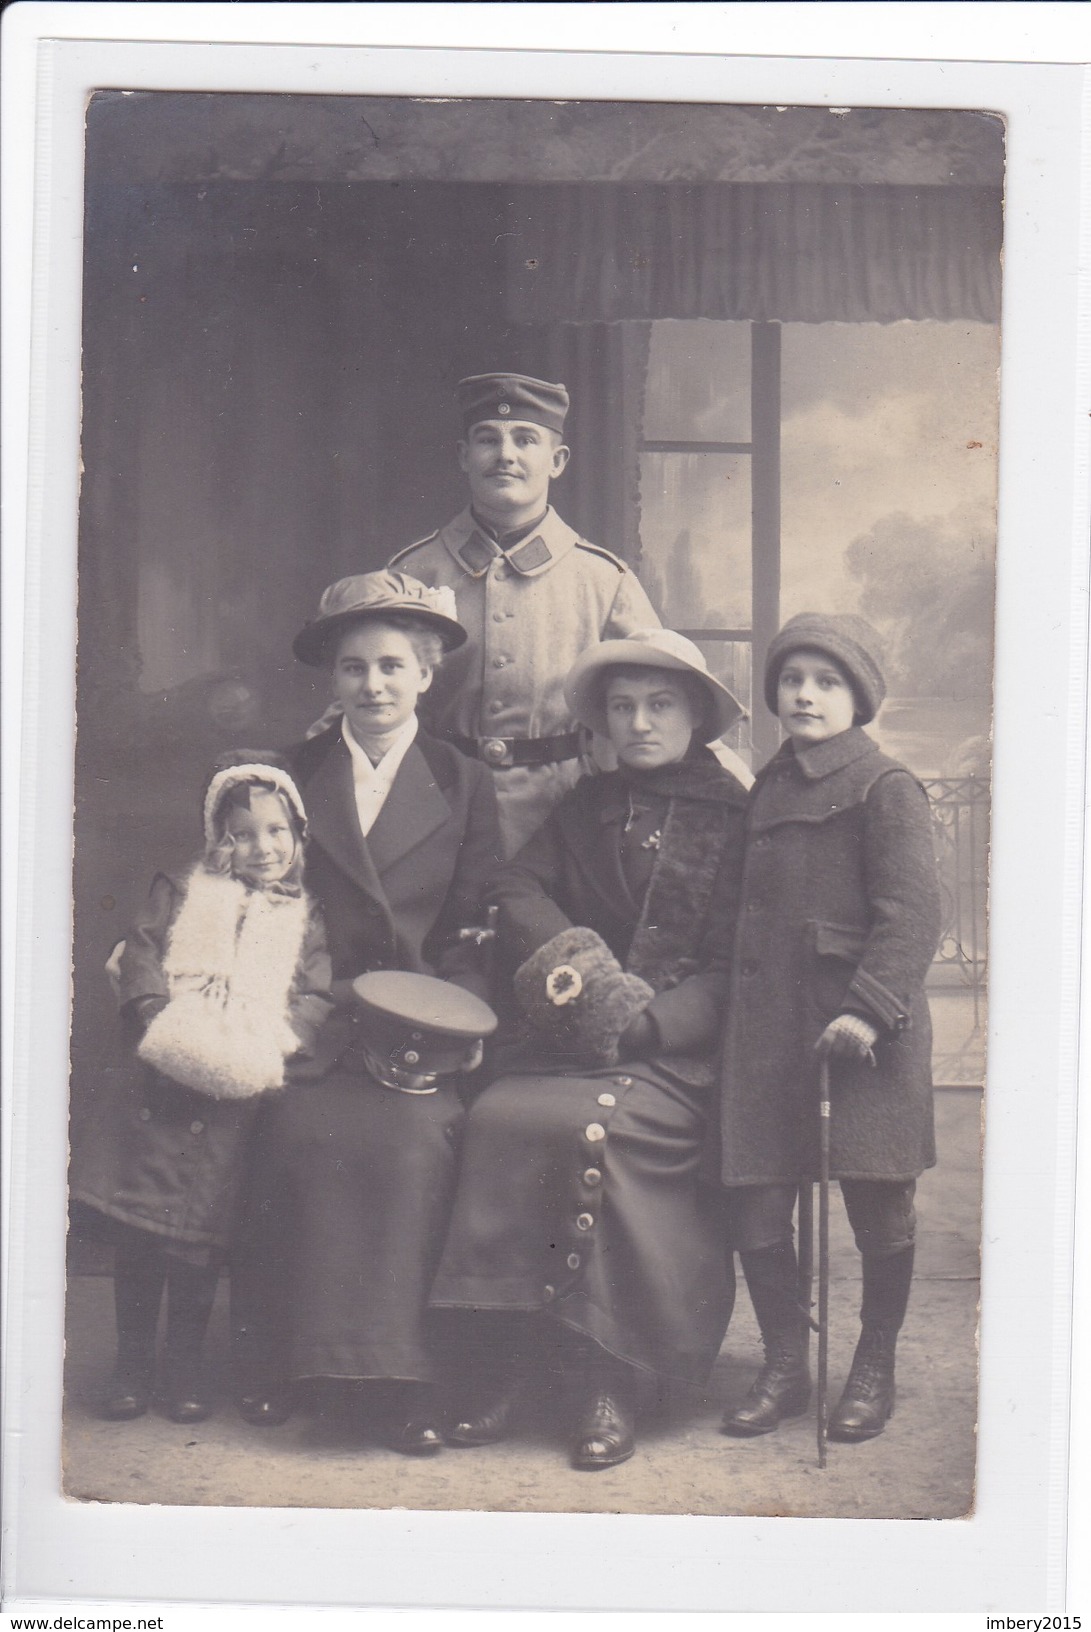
x=792 y=252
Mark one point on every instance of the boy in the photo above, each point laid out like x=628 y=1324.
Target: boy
x=839 y=922
x=531 y=593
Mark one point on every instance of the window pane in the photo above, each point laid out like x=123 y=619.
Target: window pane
x=729 y=661
x=698 y=382
x=695 y=538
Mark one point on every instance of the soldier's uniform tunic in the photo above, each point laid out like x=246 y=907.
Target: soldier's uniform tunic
x=530 y=612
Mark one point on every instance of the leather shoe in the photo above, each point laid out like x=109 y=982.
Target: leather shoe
x=867 y=1403
x=779 y=1390
x=126 y=1399
x=266 y=1410
x=604 y=1434
x=486 y=1426
x=184 y=1405
x=418 y=1436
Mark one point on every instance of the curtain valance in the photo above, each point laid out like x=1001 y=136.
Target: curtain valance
x=791 y=252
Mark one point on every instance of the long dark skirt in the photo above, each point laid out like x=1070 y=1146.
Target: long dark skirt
x=343 y=1228
x=578 y=1196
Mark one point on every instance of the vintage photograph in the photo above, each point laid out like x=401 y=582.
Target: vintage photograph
x=534 y=706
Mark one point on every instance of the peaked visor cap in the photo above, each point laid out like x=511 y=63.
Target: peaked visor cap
x=646 y=649
x=374 y=594
x=511 y=396
x=418 y=1023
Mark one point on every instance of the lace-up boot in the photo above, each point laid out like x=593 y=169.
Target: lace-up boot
x=782 y=1387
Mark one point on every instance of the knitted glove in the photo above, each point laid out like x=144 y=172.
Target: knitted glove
x=577 y=997
x=850 y=1036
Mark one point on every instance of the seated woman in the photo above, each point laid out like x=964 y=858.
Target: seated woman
x=578 y=1196
x=352 y=1179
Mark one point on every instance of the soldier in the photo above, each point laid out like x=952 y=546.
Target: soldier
x=532 y=594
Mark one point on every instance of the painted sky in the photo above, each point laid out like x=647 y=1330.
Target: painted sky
x=883 y=422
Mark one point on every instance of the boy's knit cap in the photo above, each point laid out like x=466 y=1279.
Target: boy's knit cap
x=849 y=640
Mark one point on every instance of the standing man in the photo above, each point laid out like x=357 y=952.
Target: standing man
x=531 y=593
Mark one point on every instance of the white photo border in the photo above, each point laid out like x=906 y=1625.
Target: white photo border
x=1011 y=1552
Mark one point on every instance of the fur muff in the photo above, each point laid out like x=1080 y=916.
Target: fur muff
x=230 y=962
x=576 y=995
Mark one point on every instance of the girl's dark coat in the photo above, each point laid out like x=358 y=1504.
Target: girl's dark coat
x=155 y=1154
x=840 y=911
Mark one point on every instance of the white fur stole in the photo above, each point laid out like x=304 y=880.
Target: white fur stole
x=231 y=957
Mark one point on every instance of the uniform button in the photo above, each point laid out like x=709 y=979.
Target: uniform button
x=624 y=1082
x=548 y=1294
x=592 y=1176
x=145 y=1115
x=411 y=1057
x=594 y=1131
x=499 y=662
x=498 y=617
x=585 y=1221
x=749 y=966
x=196 y=1127
x=496 y=708
x=501 y=572
x=607 y=1100
x=573 y=1260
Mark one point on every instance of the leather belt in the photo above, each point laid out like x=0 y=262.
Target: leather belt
x=502 y=752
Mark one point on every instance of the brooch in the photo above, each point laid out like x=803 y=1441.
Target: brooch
x=563 y=984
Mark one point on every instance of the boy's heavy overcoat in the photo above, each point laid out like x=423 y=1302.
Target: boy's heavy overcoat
x=840 y=911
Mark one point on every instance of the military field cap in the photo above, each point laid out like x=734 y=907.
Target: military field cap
x=646 y=649
x=416 y=1028
x=377 y=593
x=511 y=396
x=849 y=640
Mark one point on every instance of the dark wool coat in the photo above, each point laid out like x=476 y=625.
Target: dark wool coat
x=155 y=1154
x=352 y=1182
x=398 y=899
x=578 y=1192
x=679 y=940
x=840 y=912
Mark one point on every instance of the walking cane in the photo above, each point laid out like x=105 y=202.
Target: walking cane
x=823 y=1249
x=805 y=1274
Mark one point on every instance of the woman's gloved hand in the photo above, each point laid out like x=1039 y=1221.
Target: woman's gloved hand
x=849 y=1037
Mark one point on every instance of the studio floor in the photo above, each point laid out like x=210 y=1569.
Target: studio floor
x=921 y=1467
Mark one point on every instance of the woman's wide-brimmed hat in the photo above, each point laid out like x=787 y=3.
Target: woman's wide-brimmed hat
x=375 y=594
x=646 y=649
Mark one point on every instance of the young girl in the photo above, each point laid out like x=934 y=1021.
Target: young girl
x=838 y=926
x=223 y=978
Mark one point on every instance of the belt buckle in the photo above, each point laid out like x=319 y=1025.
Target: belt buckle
x=495 y=751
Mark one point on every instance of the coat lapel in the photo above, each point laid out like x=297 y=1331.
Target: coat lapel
x=332 y=823
x=600 y=859
x=414 y=809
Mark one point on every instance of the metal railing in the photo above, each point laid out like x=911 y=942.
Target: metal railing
x=961 y=807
